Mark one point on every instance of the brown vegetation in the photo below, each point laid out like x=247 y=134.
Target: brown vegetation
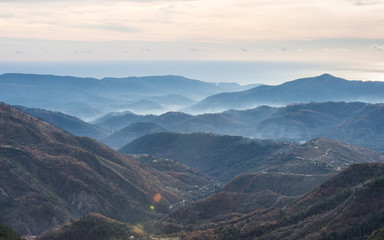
x=48 y=176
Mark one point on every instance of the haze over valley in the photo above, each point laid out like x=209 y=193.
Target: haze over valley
x=243 y=161
x=191 y=120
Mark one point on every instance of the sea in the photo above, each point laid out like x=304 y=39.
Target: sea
x=242 y=72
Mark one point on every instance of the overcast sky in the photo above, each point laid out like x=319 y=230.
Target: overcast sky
x=343 y=37
x=277 y=30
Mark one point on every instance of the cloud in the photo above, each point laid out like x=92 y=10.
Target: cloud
x=93 y=1
x=341 y=49
x=189 y=20
x=5 y=16
x=146 y=50
x=242 y=49
x=90 y=51
x=364 y=2
x=377 y=47
x=112 y=27
x=335 y=50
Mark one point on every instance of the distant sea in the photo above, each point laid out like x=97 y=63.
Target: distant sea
x=243 y=72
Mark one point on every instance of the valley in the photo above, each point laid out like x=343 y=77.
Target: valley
x=191 y=120
x=106 y=159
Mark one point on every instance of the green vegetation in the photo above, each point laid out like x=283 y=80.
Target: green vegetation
x=358 y=231
x=220 y=156
x=91 y=227
x=377 y=235
x=7 y=233
x=281 y=183
x=228 y=233
x=320 y=206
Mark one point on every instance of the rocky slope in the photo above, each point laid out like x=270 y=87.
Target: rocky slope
x=48 y=176
x=347 y=206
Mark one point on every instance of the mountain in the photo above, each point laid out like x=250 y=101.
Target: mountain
x=89 y=98
x=175 y=100
x=133 y=131
x=276 y=182
x=322 y=88
x=67 y=122
x=320 y=155
x=346 y=206
x=90 y=227
x=144 y=106
x=226 y=205
x=287 y=184
x=364 y=129
x=116 y=121
x=247 y=193
x=356 y=122
x=222 y=157
x=165 y=85
x=51 y=92
x=377 y=235
x=48 y=176
x=8 y=233
x=193 y=183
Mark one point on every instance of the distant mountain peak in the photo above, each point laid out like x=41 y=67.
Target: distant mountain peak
x=322 y=88
x=327 y=75
x=326 y=78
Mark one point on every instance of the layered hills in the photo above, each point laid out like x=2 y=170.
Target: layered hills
x=88 y=98
x=220 y=156
x=130 y=133
x=71 y=124
x=48 y=176
x=347 y=206
x=357 y=123
x=272 y=174
x=225 y=157
x=287 y=184
x=90 y=227
x=315 y=89
x=168 y=175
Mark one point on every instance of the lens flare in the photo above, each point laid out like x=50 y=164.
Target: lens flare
x=157 y=198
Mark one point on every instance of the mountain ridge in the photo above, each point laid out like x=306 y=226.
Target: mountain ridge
x=69 y=123
x=225 y=157
x=337 y=209
x=356 y=122
x=208 y=153
x=118 y=139
x=48 y=176
x=89 y=98
x=313 y=89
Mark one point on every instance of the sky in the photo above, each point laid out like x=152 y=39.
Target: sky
x=347 y=33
